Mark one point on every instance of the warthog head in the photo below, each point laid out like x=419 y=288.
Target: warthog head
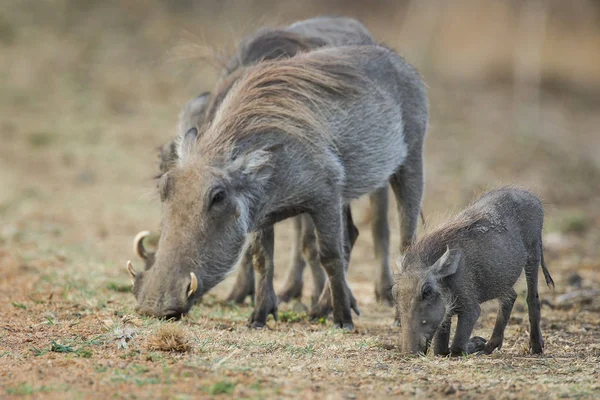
x=420 y=302
x=208 y=203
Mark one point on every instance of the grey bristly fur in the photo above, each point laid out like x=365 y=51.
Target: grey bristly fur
x=276 y=43
x=475 y=257
x=304 y=135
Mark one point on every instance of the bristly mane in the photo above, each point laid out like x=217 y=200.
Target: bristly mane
x=470 y=221
x=432 y=245
x=290 y=96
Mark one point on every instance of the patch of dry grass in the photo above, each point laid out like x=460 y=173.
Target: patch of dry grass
x=170 y=337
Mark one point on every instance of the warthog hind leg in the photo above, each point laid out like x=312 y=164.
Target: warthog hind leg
x=536 y=342
x=505 y=308
x=380 y=232
x=294 y=283
x=244 y=282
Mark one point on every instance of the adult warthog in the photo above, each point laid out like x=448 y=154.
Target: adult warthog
x=268 y=44
x=303 y=135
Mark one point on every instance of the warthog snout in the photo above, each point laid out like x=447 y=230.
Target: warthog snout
x=159 y=300
x=415 y=342
x=167 y=314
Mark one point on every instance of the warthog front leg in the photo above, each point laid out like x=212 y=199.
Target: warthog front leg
x=441 y=340
x=262 y=259
x=381 y=242
x=244 y=282
x=466 y=322
x=335 y=254
x=310 y=250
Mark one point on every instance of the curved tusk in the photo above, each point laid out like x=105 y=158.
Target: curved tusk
x=138 y=244
x=193 y=285
x=131 y=272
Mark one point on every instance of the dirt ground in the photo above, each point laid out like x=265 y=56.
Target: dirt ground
x=91 y=89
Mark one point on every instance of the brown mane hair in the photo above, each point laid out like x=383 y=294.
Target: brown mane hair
x=288 y=96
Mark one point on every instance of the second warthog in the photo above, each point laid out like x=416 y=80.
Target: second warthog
x=268 y=44
x=303 y=135
x=475 y=257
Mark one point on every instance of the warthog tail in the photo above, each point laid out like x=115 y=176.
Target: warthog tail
x=549 y=280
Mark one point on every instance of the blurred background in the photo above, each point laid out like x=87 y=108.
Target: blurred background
x=90 y=89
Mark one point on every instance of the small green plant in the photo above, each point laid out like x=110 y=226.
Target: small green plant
x=221 y=387
x=292 y=316
x=84 y=353
x=16 y=304
x=38 y=352
x=117 y=287
x=22 y=389
x=60 y=348
x=130 y=354
x=307 y=350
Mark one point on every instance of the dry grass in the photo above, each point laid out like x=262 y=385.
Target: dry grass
x=169 y=337
x=86 y=99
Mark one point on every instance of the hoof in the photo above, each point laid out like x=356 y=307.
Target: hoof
x=349 y=326
x=256 y=325
x=536 y=348
x=476 y=344
x=319 y=311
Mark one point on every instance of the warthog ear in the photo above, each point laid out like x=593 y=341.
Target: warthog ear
x=447 y=263
x=190 y=118
x=255 y=166
x=192 y=113
x=186 y=143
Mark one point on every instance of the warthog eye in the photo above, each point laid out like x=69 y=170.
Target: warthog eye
x=427 y=292
x=217 y=196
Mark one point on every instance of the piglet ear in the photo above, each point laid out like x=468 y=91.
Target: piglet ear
x=447 y=263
